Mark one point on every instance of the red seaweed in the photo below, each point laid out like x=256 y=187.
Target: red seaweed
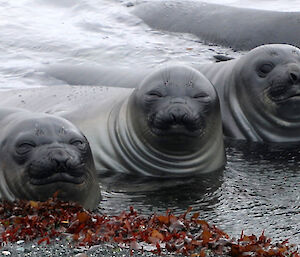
x=29 y=220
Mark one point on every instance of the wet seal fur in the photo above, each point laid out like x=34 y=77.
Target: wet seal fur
x=41 y=154
x=259 y=94
x=170 y=126
x=240 y=29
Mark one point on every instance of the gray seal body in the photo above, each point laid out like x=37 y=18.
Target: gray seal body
x=259 y=94
x=168 y=126
x=238 y=28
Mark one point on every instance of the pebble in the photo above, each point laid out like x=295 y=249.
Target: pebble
x=81 y=255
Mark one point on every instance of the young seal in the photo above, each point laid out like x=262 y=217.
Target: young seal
x=41 y=154
x=259 y=94
x=169 y=126
x=240 y=28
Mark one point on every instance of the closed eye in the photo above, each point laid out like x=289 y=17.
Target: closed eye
x=77 y=142
x=264 y=69
x=155 y=94
x=80 y=144
x=25 y=147
x=200 y=95
x=202 y=98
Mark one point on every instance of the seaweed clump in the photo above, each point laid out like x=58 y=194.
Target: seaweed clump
x=161 y=234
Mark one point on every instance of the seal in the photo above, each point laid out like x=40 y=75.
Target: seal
x=259 y=94
x=252 y=90
x=42 y=154
x=240 y=29
x=170 y=126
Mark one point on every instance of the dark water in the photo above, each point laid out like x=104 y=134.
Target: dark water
x=257 y=191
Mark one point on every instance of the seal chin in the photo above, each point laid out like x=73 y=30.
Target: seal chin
x=287 y=100
x=289 y=109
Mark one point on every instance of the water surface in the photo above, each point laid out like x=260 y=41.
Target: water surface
x=256 y=192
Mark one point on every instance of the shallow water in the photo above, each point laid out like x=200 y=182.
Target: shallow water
x=254 y=192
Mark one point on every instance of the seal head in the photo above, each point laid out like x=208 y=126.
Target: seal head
x=175 y=105
x=267 y=89
x=44 y=154
x=172 y=125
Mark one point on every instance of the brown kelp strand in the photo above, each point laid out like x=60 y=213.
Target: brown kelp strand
x=161 y=234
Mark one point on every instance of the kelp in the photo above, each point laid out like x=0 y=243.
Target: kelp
x=161 y=234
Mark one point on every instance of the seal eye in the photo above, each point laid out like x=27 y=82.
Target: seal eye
x=264 y=69
x=155 y=94
x=200 y=96
x=25 y=147
x=78 y=143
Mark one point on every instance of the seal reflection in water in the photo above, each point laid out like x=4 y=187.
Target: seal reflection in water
x=41 y=154
x=168 y=126
x=260 y=94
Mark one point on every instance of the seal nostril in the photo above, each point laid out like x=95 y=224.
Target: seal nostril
x=60 y=165
x=172 y=117
x=293 y=76
x=60 y=160
x=184 y=118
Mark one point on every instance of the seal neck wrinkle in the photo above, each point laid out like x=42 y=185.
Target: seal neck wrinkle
x=238 y=114
x=140 y=157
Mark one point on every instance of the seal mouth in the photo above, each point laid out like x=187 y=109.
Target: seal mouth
x=43 y=177
x=177 y=131
x=285 y=97
x=282 y=93
x=164 y=123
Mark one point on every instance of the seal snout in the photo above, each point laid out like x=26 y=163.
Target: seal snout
x=61 y=160
x=177 y=119
x=287 y=86
x=178 y=116
x=60 y=164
